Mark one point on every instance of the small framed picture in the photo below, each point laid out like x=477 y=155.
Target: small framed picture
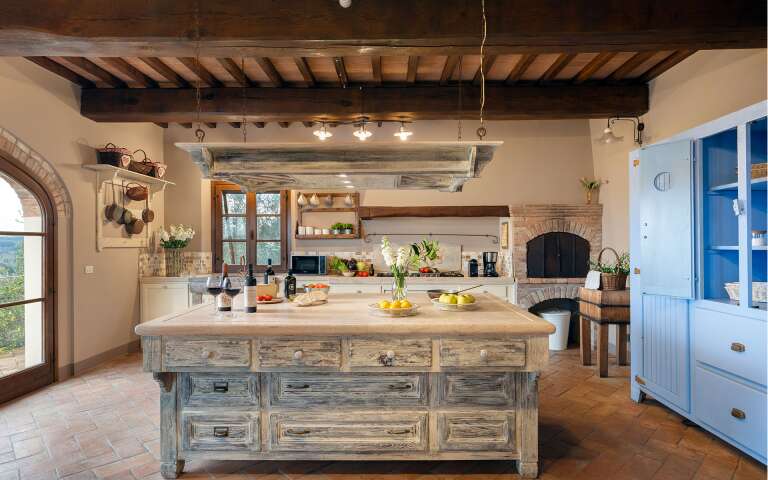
x=505 y=235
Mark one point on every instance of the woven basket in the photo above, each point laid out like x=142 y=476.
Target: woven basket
x=759 y=170
x=611 y=281
x=144 y=167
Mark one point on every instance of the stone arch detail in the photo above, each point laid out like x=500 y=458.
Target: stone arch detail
x=40 y=169
x=549 y=293
x=560 y=225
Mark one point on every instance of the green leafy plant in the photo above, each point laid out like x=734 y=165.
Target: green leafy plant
x=426 y=250
x=339 y=265
x=338 y=226
x=619 y=266
x=590 y=185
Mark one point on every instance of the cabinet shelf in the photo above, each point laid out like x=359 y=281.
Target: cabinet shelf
x=735 y=248
x=328 y=237
x=108 y=172
x=757 y=184
x=328 y=209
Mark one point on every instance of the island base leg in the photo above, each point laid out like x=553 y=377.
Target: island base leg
x=171 y=470
x=528 y=469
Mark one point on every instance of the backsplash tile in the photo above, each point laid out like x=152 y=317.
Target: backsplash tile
x=195 y=263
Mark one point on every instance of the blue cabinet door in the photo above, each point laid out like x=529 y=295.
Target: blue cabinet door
x=666 y=219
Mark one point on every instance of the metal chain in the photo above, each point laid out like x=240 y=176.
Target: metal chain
x=481 y=131
x=199 y=132
x=461 y=98
x=244 y=124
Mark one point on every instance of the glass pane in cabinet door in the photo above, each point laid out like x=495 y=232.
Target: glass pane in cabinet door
x=232 y=252
x=720 y=233
x=266 y=251
x=21 y=337
x=267 y=203
x=758 y=157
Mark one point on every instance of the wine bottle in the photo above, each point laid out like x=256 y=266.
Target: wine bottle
x=269 y=274
x=224 y=302
x=290 y=285
x=250 y=290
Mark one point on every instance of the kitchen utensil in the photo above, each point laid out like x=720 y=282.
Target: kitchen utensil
x=759 y=238
x=268 y=302
x=436 y=293
x=117 y=212
x=454 y=307
x=113 y=155
x=314 y=201
x=348 y=274
x=110 y=207
x=147 y=214
x=302 y=200
x=374 y=309
x=135 y=226
x=136 y=192
x=325 y=288
x=326 y=231
x=489 y=264
x=328 y=201
x=348 y=201
x=126 y=216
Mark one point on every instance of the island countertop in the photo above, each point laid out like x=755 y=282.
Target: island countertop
x=347 y=314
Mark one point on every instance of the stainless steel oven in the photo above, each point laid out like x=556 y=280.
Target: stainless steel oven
x=308 y=264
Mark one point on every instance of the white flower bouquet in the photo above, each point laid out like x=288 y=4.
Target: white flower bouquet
x=177 y=236
x=399 y=261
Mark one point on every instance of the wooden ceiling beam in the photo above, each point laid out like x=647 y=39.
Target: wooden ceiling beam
x=167 y=72
x=669 y=62
x=210 y=124
x=269 y=70
x=413 y=66
x=62 y=71
x=627 y=67
x=488 y=62
x=235 y=124
x=593 y=66
x=376 y=69
x=341 y=71
x=284 y=124
x=299 y=28
x=186 y=125
x=201 y=72
x=259 y=124
x=368 y=213
x=306 y=72
x=161 y=124
x=95 y=70
x=127 y=69
x=519 y=69
x=339 y=104
x=557 y=66
x=449 y=68
x=237 y=73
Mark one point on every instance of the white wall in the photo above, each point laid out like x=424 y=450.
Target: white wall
x=705 y=86
x=96 y=312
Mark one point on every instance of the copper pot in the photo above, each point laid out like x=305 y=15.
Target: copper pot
x=136 y=192
x=135 y=226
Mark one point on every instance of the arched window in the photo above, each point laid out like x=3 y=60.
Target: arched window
x=26 y=283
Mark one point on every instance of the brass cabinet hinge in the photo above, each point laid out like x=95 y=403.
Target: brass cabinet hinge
x=639 y=380
x=635 y=162
x=637 y=271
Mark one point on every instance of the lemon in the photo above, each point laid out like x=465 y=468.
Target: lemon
x=405 y=304
x=395 y=304
x=384 y=304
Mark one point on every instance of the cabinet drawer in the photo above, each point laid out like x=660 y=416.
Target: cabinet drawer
x=482 y=352
x=220 y=431
x=215 y=390
x=320 y=389
x=488 y=430
x=179 y=352
x=297 y=353
x=459 y=389
x=348 y=432
x=720 y=403
x=731 y=343
x=390 y=352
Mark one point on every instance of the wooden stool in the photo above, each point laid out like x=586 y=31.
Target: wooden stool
x=604 y=308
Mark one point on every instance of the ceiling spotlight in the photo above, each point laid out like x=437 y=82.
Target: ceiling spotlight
x=403 y=133
x=345 y=3
x=362 y=133
x=346 y=181
x=342 y=175
x=349 y=186
x=322 y=133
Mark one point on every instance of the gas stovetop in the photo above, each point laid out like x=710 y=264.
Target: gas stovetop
x=427 y=275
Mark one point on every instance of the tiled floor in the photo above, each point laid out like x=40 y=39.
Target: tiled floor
x=105 y=425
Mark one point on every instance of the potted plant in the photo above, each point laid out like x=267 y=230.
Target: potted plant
x=592 y=187
x=347 y=228
x=336 y=228
x=399 y=261
x=427 y=251
x=613 y=276
x=173 y=241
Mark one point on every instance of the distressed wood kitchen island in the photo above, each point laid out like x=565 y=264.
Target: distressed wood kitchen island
x=332 y=382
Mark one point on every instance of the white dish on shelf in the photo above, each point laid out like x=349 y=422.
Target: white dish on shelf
x=374 y=309
x=455 y=307
x=268 y=302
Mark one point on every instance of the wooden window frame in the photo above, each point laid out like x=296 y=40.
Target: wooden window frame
x=218 y=188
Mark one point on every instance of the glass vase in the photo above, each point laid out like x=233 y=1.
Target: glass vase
x=174 y=262
x=399 y=288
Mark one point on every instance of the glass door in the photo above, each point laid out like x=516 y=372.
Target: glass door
x=757 y=161
x=26 y=307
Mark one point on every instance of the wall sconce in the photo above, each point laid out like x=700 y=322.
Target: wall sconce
x=609 y=137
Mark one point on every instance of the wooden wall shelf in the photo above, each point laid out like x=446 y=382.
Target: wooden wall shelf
x=355 y=209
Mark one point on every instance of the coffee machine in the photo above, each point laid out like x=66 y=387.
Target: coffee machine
x=489 y=264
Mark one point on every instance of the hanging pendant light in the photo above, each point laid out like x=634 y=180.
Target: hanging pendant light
x=403 y=133
x=608 y=137
x=362 y=133
x=322 y=133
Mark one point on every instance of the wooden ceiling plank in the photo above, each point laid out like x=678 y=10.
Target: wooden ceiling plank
x=161 y=124
x=666 y=64
x=593 y=66
x=233 y=69
x=167 y=72
x=306 y=72
x=522 y=65
x=61 y=71
x=308 y=124
x=635 y=61
x=127 y=69
x=341 y=71
x=201 y=72
x=284 y=124
x=413 y=66
x=97 y=71
x=210 y=124
x=259 y=124
x=376 y=69
x=186 y=125
x=450 y=65
x=339 y=104
x=270 y=71
x=235 y=124
x=488 y=62
x=557 y=66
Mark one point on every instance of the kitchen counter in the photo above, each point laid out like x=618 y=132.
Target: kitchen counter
x=332 y=382
x=341 y=280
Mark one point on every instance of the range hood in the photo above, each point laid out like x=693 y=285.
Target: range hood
x=443 y=166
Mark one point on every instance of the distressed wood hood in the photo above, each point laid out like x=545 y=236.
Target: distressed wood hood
x=444 y=166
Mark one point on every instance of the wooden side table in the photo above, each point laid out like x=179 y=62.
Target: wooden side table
x=604 y=308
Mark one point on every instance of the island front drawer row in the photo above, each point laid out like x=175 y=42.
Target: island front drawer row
x=333 y=353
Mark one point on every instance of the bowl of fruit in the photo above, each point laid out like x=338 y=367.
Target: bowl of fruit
x=453 y=302
x=393 y=308
x=317 y=287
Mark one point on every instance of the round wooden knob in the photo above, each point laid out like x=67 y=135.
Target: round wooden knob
x=298 y=354
x=390 y=354
x=484 y=354
x=207 y=354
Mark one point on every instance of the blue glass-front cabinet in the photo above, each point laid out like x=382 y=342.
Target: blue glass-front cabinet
x=698 y=314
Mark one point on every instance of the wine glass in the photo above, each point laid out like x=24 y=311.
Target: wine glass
x=231 y=289
x=213 y=287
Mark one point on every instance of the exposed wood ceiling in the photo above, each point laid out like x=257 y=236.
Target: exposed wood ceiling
x=297 y=61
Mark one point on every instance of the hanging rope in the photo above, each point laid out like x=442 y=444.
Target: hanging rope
x=199 y=132
x=481 y=131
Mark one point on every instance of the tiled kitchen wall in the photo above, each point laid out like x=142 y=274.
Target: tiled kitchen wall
x=195 y=263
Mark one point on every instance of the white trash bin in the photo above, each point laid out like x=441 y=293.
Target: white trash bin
x=561 y=319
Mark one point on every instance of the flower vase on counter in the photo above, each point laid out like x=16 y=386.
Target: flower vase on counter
x=173 y=241
x=399 y=261
x=399 y=288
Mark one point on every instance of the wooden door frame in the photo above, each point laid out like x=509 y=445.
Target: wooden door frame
x=30 y=379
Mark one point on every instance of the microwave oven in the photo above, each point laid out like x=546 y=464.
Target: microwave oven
x=308 y=264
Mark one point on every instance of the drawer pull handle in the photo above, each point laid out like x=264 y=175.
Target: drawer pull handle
x=738 y=347
x=221 y=387
x=387 y=359
x=207 y=354
x=483 y=354
x=291 y=431
x=303 y=386
x=220 y=432
x=736 y=413
x=401 y=386
x=401 y=431
x=298 y=355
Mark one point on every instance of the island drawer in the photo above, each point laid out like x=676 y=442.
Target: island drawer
x=475 y=389
x=482 y=352
x=348 y=432
x=466 y=431
x=300 y=353
x=214 y=390
x=190 y=352
x=207 y=431
x=330 y=389
x=390 y=352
